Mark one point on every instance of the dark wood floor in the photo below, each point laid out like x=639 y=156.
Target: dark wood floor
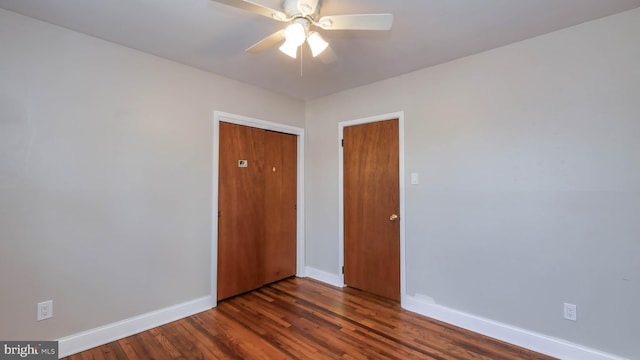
x=305 y=319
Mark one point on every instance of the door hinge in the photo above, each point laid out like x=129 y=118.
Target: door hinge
x=343 y=270
x=218 y=213
x=342 y=142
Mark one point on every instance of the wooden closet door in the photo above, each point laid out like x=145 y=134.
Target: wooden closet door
x=280 y=196
x=241 y=210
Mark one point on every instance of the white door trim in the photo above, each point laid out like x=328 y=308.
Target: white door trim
x=219 y=116
x=341 y=125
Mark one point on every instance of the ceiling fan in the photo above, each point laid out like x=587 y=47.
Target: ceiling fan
x=302 y=15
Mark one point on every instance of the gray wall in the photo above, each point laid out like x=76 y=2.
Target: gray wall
x=105 y=177
x=529 y=162
x=528 y=157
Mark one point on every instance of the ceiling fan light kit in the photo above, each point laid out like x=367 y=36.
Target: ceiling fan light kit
x=295 y=35
x=302 y=14
x=316 y=43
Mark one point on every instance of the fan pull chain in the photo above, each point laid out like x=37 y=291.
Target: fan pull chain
x=301 y=61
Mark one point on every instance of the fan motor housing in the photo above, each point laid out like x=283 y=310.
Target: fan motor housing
x=301 y=8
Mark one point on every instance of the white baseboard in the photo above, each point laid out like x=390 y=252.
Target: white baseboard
x=76 y=343
x=325 y=277
x=527 y=339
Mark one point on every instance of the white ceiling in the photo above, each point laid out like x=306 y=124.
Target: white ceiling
x=212 y=36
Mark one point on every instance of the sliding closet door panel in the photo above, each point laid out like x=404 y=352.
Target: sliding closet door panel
x=241 y=209
x=280 y=176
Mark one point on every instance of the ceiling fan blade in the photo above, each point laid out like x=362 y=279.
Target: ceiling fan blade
x=267 y=42
x=256 y=9
x=356 y=22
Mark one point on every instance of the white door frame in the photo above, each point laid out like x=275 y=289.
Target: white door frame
x=219 y=116
x=341 y=125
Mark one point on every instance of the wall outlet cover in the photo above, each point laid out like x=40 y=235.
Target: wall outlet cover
x=45 y=310
x=570 y=312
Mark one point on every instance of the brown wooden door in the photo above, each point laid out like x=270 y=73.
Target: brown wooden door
x=240 y=209
x=371 y=197
x=280 y=190
x=256 y=208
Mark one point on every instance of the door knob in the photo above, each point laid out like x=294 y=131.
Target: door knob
x=393 y=217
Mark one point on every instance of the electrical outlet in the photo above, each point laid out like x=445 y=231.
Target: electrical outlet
x=45 y=310
x=570 y=312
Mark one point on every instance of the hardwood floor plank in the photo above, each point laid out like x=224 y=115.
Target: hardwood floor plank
x=356 y=313
x=306 y=319
x=275 y=329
